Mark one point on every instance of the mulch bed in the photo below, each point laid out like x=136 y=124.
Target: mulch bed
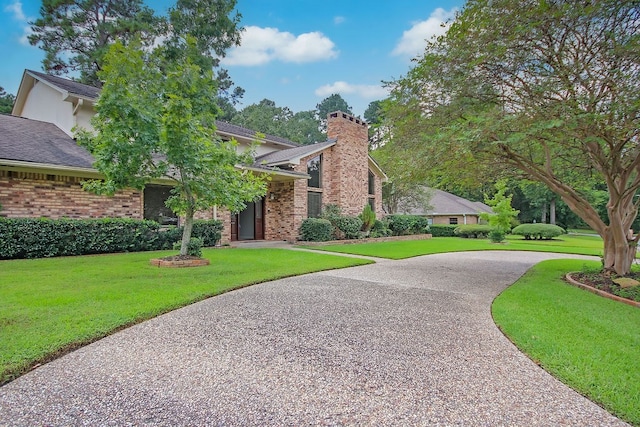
x=606 y=284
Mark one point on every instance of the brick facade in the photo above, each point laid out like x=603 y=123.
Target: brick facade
x=34 y=195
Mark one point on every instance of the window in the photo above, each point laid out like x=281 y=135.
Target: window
x=453 y=221
x=372 y=183
x=155 y=197
x=314 y=204
x=314 y=169
x=372 y=203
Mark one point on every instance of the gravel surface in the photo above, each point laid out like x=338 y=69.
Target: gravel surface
x=401 y=343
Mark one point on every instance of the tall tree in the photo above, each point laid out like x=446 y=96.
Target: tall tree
x=547 y=89
x=76 y=34
x=304 y=128
x=6 y=101
x=332 y=103
x=156 y=120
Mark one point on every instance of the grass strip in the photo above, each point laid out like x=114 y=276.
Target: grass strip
x=590 y=343
x=580 y=245
x=51 y=306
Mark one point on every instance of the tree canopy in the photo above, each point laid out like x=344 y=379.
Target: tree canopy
x=156 y=120
x=543 y=89
x=6 y=101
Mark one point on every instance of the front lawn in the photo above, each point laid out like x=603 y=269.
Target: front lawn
x=588 y=342
x=50 y=306
x=570 y=244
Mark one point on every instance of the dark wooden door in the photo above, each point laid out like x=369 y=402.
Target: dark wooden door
x=259 y=220
x=234 y=227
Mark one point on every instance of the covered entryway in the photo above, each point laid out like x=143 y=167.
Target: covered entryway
x=249 y=224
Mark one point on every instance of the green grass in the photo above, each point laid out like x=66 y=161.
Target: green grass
x=50 y=306
x=589 y=342
x=581 y=245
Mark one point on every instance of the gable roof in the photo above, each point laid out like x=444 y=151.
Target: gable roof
x=75 y=88
x=293 y=155
x=54 y=147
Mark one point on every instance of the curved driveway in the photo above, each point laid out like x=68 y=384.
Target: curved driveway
x=406 y=342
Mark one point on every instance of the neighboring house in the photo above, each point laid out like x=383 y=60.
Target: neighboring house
x=42 y=167
x=447 y=208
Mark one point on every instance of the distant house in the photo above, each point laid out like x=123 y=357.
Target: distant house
x=42 y=167
x=447 y=208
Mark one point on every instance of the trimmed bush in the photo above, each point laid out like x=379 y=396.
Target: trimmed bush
x=442 y=230
x=316 y=230
x=538 y=231
x=349 y=226
x=496 y=235
x=380 y=229
x=194 y=247
x=473 y=231
x=44 y=237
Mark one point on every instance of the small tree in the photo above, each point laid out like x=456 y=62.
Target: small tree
x=368 y=217
x=503 y=212
x=156 y=120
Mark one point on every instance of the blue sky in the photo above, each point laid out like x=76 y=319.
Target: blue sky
x=293 y=52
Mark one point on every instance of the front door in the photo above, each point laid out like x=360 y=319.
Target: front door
x=249 y=224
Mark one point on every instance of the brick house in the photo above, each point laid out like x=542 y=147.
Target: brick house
x=42 y=167
x=447 y=208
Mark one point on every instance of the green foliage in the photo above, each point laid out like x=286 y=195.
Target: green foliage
x=156 y=120
x=368 y=217
x=402 y=225
x=348 y=227
x=503 y=213
x=42 y=237
x=75 y=35
x=380 y=229
x=209 y=231
x=538 y=231
x=316 y=230
x=532 y=99
x=497 y=235
x=194 y=248
x=442 y=230
x=333 y=102
x=474 y=231
x=6 y=101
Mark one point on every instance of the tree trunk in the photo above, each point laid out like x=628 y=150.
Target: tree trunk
x=543 y=218
x=186 y=233
x=552 y=212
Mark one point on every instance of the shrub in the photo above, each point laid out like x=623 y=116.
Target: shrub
x=43 y=237
x=474 y=231
x=209 y=231
x=380 y=229
x=538 y=231
x=402 y=225
x=368 y=217
x=496 y=235
x=349 y=226
x=442 y=230
x=194 y=247
x=316 y=230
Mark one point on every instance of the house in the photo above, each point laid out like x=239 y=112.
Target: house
x=42 y=167
x=447 y=208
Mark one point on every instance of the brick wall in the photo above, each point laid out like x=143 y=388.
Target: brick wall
x=445 y=219
x=34 y=195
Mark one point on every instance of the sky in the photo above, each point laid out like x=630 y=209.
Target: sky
x=293 y=52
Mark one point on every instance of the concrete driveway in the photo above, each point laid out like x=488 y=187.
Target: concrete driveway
x=406 y=342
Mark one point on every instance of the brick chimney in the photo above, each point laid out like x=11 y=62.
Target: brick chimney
x=351 y=166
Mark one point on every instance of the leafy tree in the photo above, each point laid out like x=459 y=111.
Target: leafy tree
x=304 y=128
x=405 y=189
x=6 y=101
x=546 y=90
x=503 y=213
x=156 y=120
x=374 y=115
x=76 y=34
x=332 y=103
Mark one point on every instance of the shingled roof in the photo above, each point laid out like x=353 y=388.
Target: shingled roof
x=54 y=147
x=443 y=203
x=80 y=89
x=293 y=155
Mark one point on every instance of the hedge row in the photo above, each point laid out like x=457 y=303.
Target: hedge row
x=43 y=237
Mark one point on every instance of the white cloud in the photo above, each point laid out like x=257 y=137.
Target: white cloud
x=364 y=91
x=262 y=45
x=339 y=20
x=16 y=9
x=413 y=40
